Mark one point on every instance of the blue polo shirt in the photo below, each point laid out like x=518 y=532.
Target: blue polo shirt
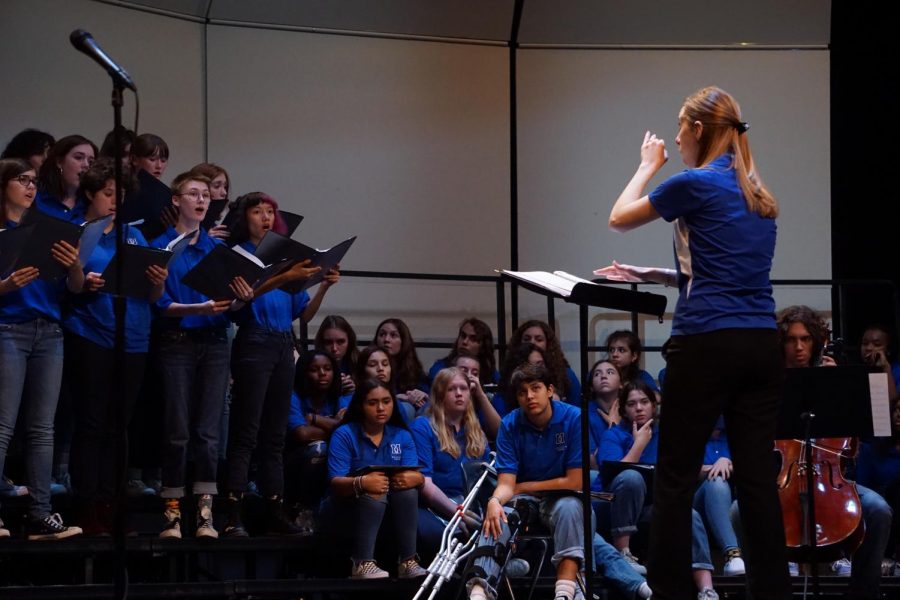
x=716 y=448
x=300 y=407
x=444 y=470
x=597 y=424
x=350 y=450
x=39 y=299
x=540 y=454
x=617 y=441
x=877 y=467
x=723 y=252
x=51 y=205
x=274 y=311
x=90 y=314
x=176 y=291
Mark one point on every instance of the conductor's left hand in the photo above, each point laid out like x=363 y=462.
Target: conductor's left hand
x=653 y=152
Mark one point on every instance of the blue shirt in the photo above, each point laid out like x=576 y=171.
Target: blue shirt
x=300 y=407
x=716 y=448
x=90 y=314
x=444 y=470
x=617 y=441
x=350 y=450
x=877 y=470
x=274 y=311
x=597 y=424
x=40 y=299
x=723 y=252
x=175 y=291
x=540 y=454
x=53 y=206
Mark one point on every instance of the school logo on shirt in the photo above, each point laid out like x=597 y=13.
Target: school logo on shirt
x=396 y=452
x=561 y=441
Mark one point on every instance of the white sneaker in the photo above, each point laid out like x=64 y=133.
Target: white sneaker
x=887 y=567
x=841 y=567
x=734 y=567
x=707 y=594
x=644 y=591
x=793 y=569
x=633 y=561
x=368 y=569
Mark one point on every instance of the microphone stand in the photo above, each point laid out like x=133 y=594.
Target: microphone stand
x=120 y=567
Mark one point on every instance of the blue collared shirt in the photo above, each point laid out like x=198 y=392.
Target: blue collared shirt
x=444 y=470
x=40 y=299
x=350 y=450
x=540 y=454
x=274 y=311
x=53 y=206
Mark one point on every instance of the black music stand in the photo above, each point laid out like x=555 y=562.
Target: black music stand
x=585 y=294
x=815 y=405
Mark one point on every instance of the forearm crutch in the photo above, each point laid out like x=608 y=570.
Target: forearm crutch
x=452 y=550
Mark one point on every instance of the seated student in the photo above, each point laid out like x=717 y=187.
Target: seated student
x=336 y=336
x=193 y=358
x=60 y=175
x=30 y=145
x=605 y=385
x=542 y=335
x=316 y=411
x=374 y=363
x=634 y=440
x=447 y=436
x=262 y=366
x=625 y=349
x=875 y=351
x=31 y=354
x=372 y=434
x=487 y=415
x=539 y=450
x=476 y=338
x=89 y=322
x=410 y=381
x=712 y=500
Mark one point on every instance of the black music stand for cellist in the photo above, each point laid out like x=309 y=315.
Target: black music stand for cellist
x=585 y=293
x=828 y=402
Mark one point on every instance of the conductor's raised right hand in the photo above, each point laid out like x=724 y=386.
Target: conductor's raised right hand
x=653 y=152
x=620 y=272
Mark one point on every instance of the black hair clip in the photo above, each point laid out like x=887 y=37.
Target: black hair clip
x=742 y=126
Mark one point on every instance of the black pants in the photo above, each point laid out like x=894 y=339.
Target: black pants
x=737 y=373
x=262 y=366
x=95 y=402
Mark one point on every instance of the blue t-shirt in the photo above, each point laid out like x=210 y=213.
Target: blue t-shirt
x=91 y=315
x=40 y=299
x=350 y=450
x=617 y=441
x=723 y=252
x=53 y=206
x=300 y=407
x=274 y=311
x=176 y=291
x=538 y=455
x=444 y=470
x=716 y=448
x=877 y=470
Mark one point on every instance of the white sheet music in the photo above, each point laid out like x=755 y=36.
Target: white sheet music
x=881 y=405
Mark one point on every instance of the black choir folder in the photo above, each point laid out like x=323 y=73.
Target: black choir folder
x=29 y=244
x=137 y=260
x=215 y=271
x=144 y=205
x=274 y=247
x=581 y=291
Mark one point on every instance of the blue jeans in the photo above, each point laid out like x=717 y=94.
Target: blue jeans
x=614 y=568
x=713 y=501
x=31 y=362
x=262 y=365
x=865 y=574
x=628 y=508
x=194 y=366
x=361 y=518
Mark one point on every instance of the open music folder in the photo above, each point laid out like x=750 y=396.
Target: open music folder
x=275 y=247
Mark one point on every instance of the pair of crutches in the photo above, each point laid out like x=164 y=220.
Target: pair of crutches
x=453 y=550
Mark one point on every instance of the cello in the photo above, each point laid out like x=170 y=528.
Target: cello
x=839 y=525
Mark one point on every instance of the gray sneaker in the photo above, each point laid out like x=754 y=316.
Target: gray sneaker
x=410 y=569
x=707 y=594
x=632 y=560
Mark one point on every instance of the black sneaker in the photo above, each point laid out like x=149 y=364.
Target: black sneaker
x=51 y=528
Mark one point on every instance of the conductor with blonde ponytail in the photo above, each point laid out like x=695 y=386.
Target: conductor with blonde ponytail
x=724 y=237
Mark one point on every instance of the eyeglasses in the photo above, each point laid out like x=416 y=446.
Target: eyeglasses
x=26 y=180
x=194 y=194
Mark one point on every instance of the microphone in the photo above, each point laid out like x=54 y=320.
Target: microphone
x=84 y=42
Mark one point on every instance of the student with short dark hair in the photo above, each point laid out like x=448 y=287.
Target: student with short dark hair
x=30 y=145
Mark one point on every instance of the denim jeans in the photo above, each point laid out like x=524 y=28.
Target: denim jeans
x=628 y=508
x=305 y=472
x=614 y=568
x=713 y=501
x=865 y=574
x=31 y=362
x=359 y=520
x=194 y=366
x=262 y=366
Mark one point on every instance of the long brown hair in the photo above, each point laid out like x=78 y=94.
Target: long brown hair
x=476 y=441
x=725 y=131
